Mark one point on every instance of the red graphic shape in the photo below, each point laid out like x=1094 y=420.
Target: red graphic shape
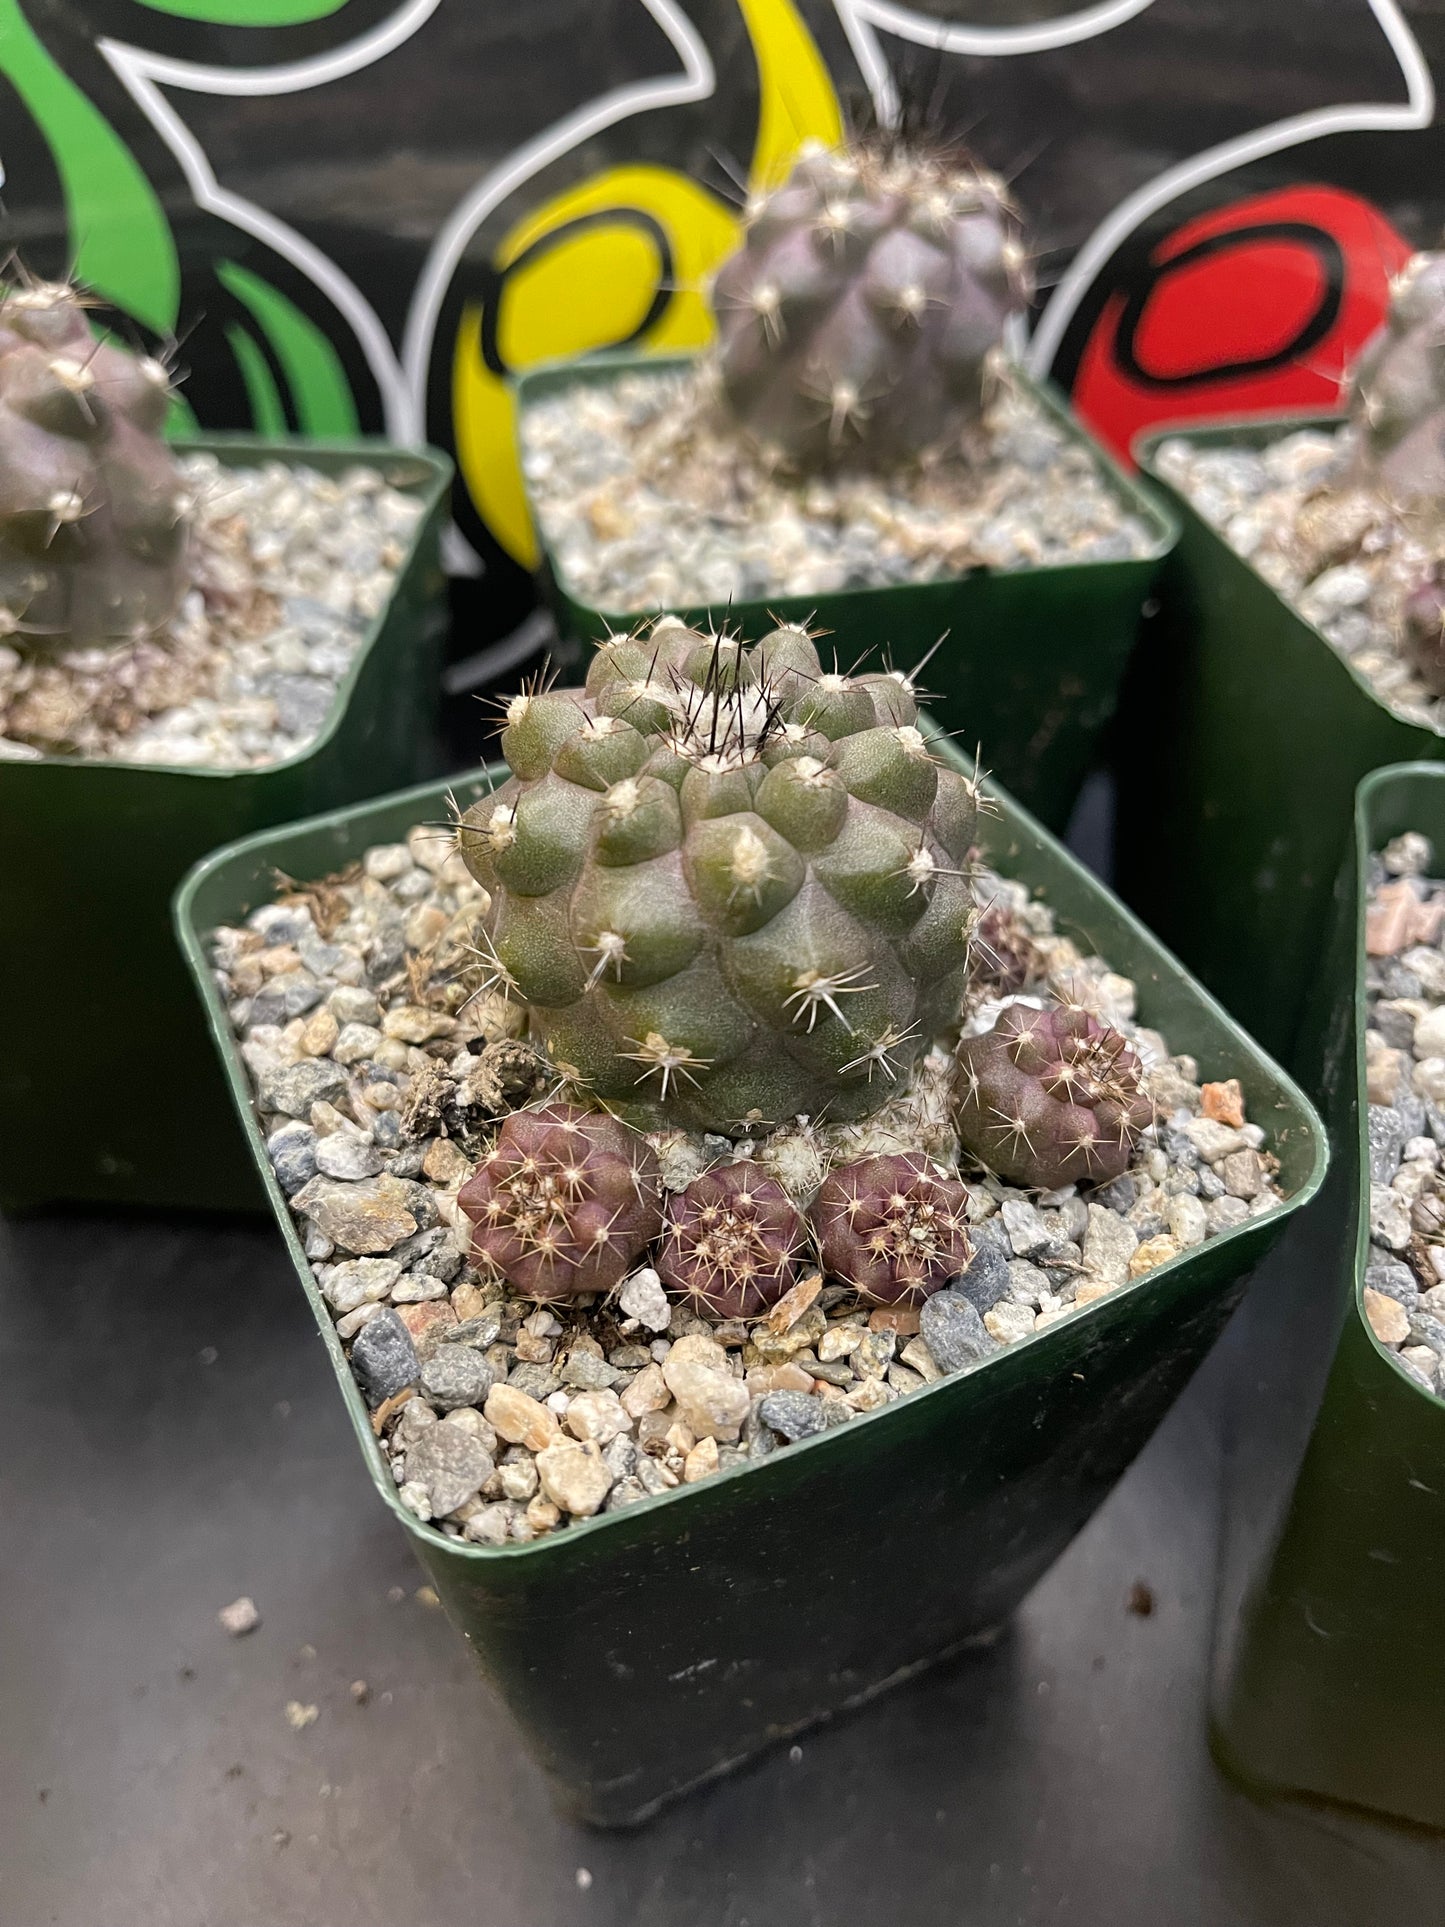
x=1252 y=308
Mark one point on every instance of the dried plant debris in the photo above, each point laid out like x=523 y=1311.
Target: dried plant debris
x=649 y=499
x=385 y=1074
x=1404 y=1283
x=289 y=568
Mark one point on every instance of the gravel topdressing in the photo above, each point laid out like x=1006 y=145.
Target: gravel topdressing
x=1404 y=1285
x=290 y=568
x=648 y=500
x=1344 y=559
x=380 y=1077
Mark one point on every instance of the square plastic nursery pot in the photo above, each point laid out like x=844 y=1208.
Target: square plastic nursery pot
x=1240 y=742
x=108 y=1085
x=1033 y=659
x=646 y=1650
x=1329 y=1666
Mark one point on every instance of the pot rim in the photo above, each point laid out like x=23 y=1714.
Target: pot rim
x=609 y=364
x=429 y=481
x=191 y=938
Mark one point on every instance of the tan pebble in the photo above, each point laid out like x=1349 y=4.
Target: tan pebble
x=1243 y=1174
x=574 y=1475
x=1388 y=1318
x=542 y=1515
x=1153 y=1251
x=299 y=1717
x=695 y=1349
x=646 y=1394
x=1390 y=920
x=778 y=1378
x=700 y=1462
x=791 y=1306
x=415 y=1024
x=838 y=1341
x=445 y=1163
x=280 y=957
x=423 y=926
x=1224 y=1102
x=869 y=1396
x=680 y=1437
x=917 y=1355
x=532 y=1350
x=711 y=1402
x=902 y=1319
x=320 y=1034
x=653 y=1427
x=469 y=1301
x=598 y=1415
x=1086 y=1294
x=1383 y=1070
x=520 y=1419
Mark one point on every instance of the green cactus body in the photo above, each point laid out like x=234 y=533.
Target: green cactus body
x=727 y=885
x=1397 y=388
x=93 y=510
x=859 y=321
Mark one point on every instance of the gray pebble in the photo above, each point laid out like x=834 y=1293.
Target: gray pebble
x=535 y=1380
x=292 y=1151
x=589 y=1374
x=796 y=1415
x=384 y=1358
x=296 y=1087
x=953 y=1330
x=345 y=1155
x=451 y=1464
x=456 y=1375
x=987 y=1278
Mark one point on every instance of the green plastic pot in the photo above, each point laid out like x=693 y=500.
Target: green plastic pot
x=1240 y=742
x=108 y=1086
x=647 y=1650
x=1329 y=1662
x=1034 y=657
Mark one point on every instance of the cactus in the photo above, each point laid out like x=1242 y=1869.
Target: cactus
x=727 y=886
x=892 y=1228
x=1397 y=388
x=730 y=1242
x=93 y=510
x=563 y=1202
x=1422 y=628
x=1051 y=1097
x=860 y=319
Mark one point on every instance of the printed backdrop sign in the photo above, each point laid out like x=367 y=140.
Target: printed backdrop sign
x=365 y=214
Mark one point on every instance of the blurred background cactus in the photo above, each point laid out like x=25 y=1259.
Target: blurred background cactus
x=93 y=510
x=862 y=318
x=728 y=886
x=1397 y=388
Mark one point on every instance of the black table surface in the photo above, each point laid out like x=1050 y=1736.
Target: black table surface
x=172 y=1439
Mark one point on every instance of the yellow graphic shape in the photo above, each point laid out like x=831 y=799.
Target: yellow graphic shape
x=603 y=274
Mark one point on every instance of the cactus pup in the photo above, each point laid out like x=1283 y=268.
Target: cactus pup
x=861 y=319
x=892 y=1227
x=730 y=1242
x=1051 y=1097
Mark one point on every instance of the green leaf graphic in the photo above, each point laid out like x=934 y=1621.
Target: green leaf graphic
x=320 y=391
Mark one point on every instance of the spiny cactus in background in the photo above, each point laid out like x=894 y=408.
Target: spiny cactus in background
x=892 y=1228
x=730 y=1241
x=93 y=510
x=1397 y=388
x=860 y=320
x=1051 y=1097
x=1422 y=627
x=563 y=1202
x=728 y=886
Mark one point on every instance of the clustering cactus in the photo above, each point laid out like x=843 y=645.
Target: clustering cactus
x=1051 y=1097
x=1422 y=629
x=93 y=510
x=860 y=319
x=728 y=886
x=1397 y=388
x=892 y=1228
x=730 y=1241
x=563 y=1202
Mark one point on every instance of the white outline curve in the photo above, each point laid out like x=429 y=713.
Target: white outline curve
x=696 y=82
x=1418 y=110
x=957 y=37
x=142 y=74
